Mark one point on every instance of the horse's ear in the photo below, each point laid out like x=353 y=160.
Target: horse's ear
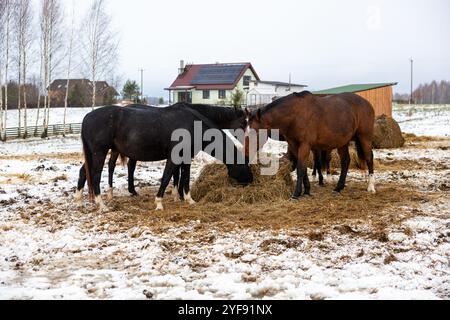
x=258 y=115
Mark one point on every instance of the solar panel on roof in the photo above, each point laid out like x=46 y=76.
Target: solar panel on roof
x=221 y=74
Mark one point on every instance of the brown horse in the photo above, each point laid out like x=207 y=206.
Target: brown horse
x=313 y=123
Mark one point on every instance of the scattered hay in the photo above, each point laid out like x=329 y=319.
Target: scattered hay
x=387 y=134
x=213 y=186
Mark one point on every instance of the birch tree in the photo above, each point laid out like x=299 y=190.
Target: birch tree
x=69 y=64
x=2 y=51
x=100 y=44
x=50 y=23
x=23 y=25
x=7 y=17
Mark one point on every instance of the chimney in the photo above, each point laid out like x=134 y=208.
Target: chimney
x=181 y=70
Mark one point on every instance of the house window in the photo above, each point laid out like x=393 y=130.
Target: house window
x=222 y=94
x=206 y=94
x=247 y=80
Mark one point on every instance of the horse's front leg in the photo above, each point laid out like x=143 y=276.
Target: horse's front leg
x=167 y=176
x=302 y=178
x=185 y=183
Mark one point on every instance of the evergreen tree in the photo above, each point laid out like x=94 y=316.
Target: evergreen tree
x=131 y=90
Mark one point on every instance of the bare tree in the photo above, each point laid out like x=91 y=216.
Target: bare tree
x=23 y=27
x=100 y=44
x=69 y=63
x=7 y=17
x=2 y=50
x=50 y=22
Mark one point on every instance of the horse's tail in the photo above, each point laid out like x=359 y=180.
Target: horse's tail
x=361 y=160
x=87 y=166
x=123 y=160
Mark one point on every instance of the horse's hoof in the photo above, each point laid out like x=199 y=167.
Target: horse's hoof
x=159 y=204
x=134 y=194
x=78 y=197
x=307 y=195
x=336 y=193
x=294 y=199
x=110 y=195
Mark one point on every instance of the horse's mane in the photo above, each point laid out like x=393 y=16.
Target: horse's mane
x=281 y=101
x=216 y=114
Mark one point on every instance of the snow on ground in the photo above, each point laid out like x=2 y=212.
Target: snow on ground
x=424 y=120
x=73 y=255
x=74 y=115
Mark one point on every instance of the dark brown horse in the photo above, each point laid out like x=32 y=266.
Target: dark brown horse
x=312 y=123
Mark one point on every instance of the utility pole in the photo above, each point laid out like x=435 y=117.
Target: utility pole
x=142 y=84
x=412 y=82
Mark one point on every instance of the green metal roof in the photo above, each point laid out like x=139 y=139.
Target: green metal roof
x=355 y=88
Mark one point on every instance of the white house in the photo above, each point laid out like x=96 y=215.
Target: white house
x=211 y=83
x=264 y=92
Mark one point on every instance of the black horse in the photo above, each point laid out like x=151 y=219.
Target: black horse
x=224 y=118
x=146 y=135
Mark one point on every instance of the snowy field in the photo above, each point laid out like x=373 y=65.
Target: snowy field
x=426 y=120
x=51 y=248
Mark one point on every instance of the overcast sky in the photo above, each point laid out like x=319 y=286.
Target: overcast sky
x=322 y=43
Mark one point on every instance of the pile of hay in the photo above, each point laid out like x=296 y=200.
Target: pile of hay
x=214 y=186
x=387 y=134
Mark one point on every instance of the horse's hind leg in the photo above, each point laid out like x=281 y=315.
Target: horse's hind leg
x=366 y=149
x=303 y=154
x=345 y=164
x=318 y=166
x=167 y=176
x=111 y=167
x=98 y=161
x=185 y=181
x=81 y=183
x=131 y=170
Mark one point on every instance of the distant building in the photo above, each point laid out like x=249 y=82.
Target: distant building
x=380 y=95
x=80 y=93
x=211 y=83
x=264 y=92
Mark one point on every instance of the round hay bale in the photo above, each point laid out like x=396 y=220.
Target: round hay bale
x=214 y=186
x=387 y=134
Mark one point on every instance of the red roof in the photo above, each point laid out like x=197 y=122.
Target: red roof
x=200 y=77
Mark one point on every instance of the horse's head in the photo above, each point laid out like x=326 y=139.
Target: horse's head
x=254 y=120
x=237 y=120
x=240 y=174
x=254 y=124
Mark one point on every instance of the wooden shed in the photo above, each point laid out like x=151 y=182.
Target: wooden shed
x=380 y=95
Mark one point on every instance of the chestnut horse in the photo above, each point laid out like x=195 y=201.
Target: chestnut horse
x=313 y=123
